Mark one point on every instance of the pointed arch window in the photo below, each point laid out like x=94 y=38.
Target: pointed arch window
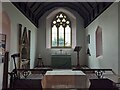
x=61 y=31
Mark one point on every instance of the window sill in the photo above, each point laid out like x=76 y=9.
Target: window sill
x=61 y=47
x=100 y=57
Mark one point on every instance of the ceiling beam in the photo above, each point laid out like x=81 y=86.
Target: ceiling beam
x=87 y=10
x=82 y=3
x=66 y=5
x=79 y=5
x=33 y=4
x=90 y=5
x=42 y=7
x=69 y=5
x=40 y=4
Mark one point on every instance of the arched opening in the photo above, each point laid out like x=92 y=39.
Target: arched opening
x=61 y=31
x=99 y=49
x=49 y=19
x=6 y=28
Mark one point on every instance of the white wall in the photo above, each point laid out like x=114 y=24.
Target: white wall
x=80 y=40
x=1 y=64
x=0 y=17
x=119 y=38
x=108 y=21
x=1 y=75
x=16 y=17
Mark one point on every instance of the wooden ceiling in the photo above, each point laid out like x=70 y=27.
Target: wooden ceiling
x=87 y=10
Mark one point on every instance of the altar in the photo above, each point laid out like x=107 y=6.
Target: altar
x=61 y=61
x=65 y=79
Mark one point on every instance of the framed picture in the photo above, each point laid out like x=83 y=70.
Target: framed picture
x=2 y=46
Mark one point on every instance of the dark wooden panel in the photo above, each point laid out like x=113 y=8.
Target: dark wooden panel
x=87 y=10
x=69 y=5
x=31 y=4
x=37 y=7
x=34 y=6
x=81 y=7
x=41 y=8
x=87 y=5
x=93 y=4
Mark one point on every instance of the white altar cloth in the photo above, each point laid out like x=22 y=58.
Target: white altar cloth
x=65 y=79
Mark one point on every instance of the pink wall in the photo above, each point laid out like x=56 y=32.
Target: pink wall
x=6 y=29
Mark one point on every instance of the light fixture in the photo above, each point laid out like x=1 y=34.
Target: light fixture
x=88 y=52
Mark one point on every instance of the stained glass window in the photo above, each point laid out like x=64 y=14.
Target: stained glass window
x=61 y=31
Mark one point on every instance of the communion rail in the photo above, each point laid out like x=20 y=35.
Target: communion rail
x=23 y=79
x=101 y=82
x=99 y=72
